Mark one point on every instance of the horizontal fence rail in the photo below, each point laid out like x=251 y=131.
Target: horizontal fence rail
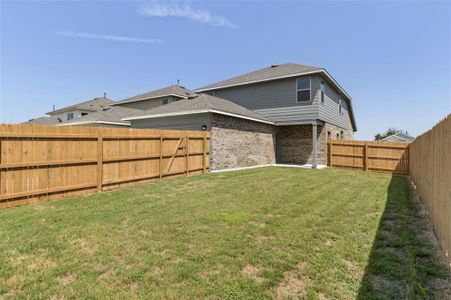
x=430 y=171
x=369 y=156
x=40 y=163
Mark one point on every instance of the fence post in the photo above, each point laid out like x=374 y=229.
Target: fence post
x=187 y=154
x=204 y=155
x=160 y=165
x=366 y=157
x=330 y=154
x=99 y=162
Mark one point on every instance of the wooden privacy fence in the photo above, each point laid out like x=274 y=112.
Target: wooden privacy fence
x=430 y=170
x=47 y=162
x=369 y=156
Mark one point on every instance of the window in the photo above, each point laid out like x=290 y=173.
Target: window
x=329 y=135
x=303 y=89
x=340 y=110
x=164 y=101
x=70 y=116
x=322 y=87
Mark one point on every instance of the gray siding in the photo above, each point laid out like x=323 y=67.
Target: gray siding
x=329 y=111
x=146 y=104
x=186 y=122
x=276 y=99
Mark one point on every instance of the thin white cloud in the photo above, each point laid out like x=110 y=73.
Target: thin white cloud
x=185 y=11
x=109 y=37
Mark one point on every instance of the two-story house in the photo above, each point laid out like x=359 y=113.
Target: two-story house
x=282 y=113
x=73 y=112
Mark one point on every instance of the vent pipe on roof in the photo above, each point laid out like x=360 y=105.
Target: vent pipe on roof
x=178 y=82
x=104 y=95
x=53 y=107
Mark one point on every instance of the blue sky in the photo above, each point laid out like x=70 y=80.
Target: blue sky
x=393 y=58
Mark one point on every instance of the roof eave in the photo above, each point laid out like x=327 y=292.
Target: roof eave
x=94 y=122
x=151 y=98
x=192 y=112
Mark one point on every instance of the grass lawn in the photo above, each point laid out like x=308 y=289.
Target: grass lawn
x=262 y=233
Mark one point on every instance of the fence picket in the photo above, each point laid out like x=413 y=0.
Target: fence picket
x=39 y=163
x=369 y=156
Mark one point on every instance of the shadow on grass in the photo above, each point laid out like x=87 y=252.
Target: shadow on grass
x=405 y=261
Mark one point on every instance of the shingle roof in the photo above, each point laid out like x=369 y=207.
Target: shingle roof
x=95 y=104
x=202 y=102
x=399 y=136
x=268 y=73
x=176 y=90
x=111 y=114
x=43 y=121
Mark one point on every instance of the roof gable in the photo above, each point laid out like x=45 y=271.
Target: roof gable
x=173 y=90
x=270 y=73
x=95 y=104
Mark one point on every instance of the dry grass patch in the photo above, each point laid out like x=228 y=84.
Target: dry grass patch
x=252 y=272
x=68 y=279
x=292 y=286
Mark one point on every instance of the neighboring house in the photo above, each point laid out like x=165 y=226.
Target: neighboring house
x=290 y=104
x=110 y=116
x=43 y=121
x=156 y=98
x=80 y=109
x=399 y=138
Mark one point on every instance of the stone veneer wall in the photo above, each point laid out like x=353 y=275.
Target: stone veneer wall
x=295 y=142
x=237 y=143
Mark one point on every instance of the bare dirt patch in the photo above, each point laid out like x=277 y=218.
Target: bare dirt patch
x=353 y=268
x=252 y=272
x=40 y=263
x=292 y=286
x=65 y=280
x=106 y=275
x=328 y=243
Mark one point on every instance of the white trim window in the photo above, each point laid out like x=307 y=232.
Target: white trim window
x=340 y=106
x=303 y=90
x=164 y=101
x=70 y=116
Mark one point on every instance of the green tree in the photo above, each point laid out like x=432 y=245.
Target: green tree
x=390 y=131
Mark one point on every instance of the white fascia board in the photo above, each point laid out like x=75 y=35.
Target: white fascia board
x=93 y=122
x=151 y=98
x=193 y=112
